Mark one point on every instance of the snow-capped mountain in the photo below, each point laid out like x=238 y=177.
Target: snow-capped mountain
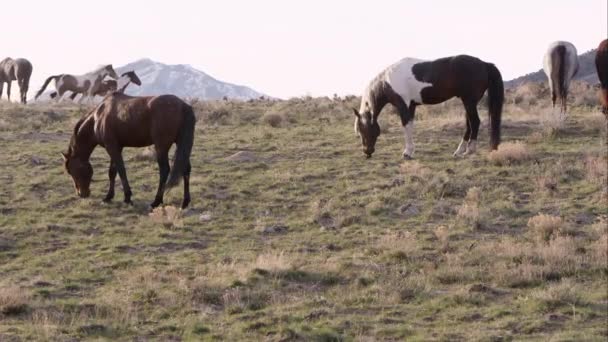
x=182 y=80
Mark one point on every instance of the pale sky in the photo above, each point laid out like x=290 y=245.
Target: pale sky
x=291 y=48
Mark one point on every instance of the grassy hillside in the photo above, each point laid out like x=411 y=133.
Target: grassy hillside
x=586 y=73
x=293 y=235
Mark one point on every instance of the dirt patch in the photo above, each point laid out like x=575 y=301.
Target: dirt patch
x=172 y=247
x=45 y=137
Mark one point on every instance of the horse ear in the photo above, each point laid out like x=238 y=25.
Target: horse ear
x=65 y=156
x=357 y=113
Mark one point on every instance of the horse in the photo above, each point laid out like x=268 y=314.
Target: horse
x=19 y=69
x=109 y=86
x=411 y=82
x=87 y=84
x=123 y=121
x=560 y=65
x=601 y=65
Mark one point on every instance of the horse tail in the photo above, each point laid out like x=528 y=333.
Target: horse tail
x=559 y=67
x=496 y=97
x=184 y=148
x=46 y=83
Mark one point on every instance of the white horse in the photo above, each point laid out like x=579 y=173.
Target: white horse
x=560 y=65
x=87 y=84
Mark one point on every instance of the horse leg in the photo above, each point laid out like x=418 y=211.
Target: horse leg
x=473 y=117
x=186 y=199
x=407 y=121
x=1 y=88
x=23 y=88
x=116 y=156
x=112 y=177
x=8 y=90
x=162 y=157
x=462 y=147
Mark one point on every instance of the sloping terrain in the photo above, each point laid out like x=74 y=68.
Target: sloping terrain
x=294 y=236
x=586 y=72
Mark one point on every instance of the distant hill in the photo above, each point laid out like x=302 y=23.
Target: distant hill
x=586 y=72
x=182 y=80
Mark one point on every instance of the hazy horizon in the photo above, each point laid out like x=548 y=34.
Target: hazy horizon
x=287 y=49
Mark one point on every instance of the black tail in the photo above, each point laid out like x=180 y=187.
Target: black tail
x=496 y=97
x=184 y=148
x=46 y=83
x=559 y=67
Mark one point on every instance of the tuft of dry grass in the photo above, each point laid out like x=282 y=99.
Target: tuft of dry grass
x=552 y=121
x=544 y=227
x=596 y=168
x=273 y=119
x=509 y=153
x=13 y=300
x=398 y=243
x=273 y=261
x=469 y=210
x=413 y=169
x=169 y=216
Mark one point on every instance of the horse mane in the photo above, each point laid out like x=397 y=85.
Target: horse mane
x=375 y=90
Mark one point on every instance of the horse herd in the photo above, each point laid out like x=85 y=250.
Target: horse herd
x=124 y=121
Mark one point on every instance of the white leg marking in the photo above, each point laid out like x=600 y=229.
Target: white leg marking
x=408 y=134
x=462 y=147
x=471 y=147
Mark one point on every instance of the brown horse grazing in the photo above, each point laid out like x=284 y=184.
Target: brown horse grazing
x=19 y=69
x=601 y=64
x=109 y=86
x=411 y=82
x=87 y=84
x=124 y=121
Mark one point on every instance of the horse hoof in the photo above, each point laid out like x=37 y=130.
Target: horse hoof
x=408 y=157
x=129 y=202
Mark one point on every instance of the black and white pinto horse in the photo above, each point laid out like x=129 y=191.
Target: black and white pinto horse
x=411 y=82
x=560 y=65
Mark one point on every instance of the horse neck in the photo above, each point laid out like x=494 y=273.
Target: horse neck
x=376 y=98
x=84 y=141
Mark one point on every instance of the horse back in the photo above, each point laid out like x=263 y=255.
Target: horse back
x=140 y=121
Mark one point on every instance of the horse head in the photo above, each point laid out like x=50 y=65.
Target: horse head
x=81 y=172
x=109 y=70
x=132 y=76
x=366 y=126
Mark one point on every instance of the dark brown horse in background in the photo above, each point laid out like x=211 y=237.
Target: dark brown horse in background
x=411 y=82
x=124 y=121
x=601 y=64
x=19 y=69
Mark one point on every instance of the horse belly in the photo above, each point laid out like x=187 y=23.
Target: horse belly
x=435 y=95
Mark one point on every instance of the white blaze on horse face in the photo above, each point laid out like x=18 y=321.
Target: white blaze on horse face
x=408 y=134
x=401 y=78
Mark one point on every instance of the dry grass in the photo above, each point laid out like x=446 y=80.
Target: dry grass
x=273 y=119
x=469 y=210
x=552 y=121
x=168 y=216
x=544 y=227
x=509 y=153
x=14 y=300
x=596 y=168
x=273 y=261
x=398 y=243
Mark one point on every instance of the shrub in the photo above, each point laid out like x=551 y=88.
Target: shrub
x=273 y=119
x=544 y=227
x=509 y=153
